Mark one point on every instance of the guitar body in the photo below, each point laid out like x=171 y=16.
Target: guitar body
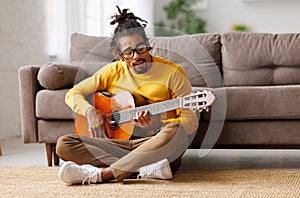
x=119 y=102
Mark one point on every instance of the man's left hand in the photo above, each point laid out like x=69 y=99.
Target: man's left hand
x=144 y=120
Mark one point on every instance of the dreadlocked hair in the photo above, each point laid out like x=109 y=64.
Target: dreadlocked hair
x=127 y=25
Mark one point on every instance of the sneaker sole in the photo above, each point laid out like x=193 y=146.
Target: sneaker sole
x=169 y=174
x=165 y=167
x=62 y=169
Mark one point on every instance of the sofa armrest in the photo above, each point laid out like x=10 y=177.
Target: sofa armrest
x=28 y=88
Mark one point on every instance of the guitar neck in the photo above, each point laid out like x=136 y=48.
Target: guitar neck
x=154 y=109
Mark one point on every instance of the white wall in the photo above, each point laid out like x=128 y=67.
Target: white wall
x=262 y=15
x=22 y=42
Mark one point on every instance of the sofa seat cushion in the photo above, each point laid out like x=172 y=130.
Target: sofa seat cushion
x=50 y=130
x=50 y=104
x=260 y=59
x=261 y=103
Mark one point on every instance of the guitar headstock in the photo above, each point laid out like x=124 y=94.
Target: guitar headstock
x=199 y=100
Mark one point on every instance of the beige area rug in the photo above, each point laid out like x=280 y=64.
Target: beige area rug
x=43 y=182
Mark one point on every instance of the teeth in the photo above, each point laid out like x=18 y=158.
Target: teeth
x=138 y=64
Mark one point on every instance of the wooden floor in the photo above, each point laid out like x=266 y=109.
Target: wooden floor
x=15 y=153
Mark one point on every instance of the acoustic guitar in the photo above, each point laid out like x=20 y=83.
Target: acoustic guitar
x=121 y=109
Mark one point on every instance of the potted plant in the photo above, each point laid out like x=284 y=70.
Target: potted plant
x=182 y=19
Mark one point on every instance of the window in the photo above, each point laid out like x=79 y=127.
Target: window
x=65 y=17
x=92 y=17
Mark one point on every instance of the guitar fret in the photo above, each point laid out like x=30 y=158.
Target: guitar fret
x=155 y=108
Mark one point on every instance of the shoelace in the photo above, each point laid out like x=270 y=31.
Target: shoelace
x=89 y=176
x=146 y=174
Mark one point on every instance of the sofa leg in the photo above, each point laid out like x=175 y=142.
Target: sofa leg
x=49 y=150
x=55 y=156
x=51 y=153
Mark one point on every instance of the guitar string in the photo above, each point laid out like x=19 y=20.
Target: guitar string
x=155 y=108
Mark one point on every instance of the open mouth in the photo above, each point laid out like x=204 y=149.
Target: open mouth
x=140 y=66
x=139 y=63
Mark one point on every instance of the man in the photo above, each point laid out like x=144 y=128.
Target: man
x=157 y=153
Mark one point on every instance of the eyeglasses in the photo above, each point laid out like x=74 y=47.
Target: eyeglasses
x=141 y=48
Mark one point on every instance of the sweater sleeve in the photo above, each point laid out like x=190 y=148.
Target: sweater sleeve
x=76 y=97
x=180 y=86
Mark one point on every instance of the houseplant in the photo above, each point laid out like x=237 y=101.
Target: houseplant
x=182 y=18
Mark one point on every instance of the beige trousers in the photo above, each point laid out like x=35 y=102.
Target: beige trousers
x=125 y=156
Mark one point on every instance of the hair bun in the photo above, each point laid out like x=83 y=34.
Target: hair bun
x=123 y=16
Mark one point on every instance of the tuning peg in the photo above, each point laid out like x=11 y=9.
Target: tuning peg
x=207 y=109
x=201 y=109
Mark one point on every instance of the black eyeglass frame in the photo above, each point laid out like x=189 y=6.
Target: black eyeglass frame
x=148 y=48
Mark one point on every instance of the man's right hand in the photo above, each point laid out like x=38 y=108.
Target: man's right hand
x=97 y=123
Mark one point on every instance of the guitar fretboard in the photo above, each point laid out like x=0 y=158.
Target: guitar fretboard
x=154 y=109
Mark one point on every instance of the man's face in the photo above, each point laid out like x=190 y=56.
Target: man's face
x=133 y=49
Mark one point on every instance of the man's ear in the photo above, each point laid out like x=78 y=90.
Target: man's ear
x=117 y=56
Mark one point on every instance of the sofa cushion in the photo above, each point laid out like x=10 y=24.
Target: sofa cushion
x=260 y=59
x=199 y=54
x=90 y=52
x=50 y=130
x=57 y=76
x=261 y=103
x=50 y=104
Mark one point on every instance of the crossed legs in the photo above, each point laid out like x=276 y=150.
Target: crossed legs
x=120 y=158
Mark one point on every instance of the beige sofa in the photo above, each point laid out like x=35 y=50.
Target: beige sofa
x=255 y=76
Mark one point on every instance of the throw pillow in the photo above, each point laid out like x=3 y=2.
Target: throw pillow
x=57 y=76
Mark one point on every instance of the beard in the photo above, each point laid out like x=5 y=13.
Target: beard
x=141 y=66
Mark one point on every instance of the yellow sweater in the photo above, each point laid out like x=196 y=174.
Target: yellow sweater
x=164 y=81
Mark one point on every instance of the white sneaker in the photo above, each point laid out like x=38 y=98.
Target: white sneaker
x=158 y=170
x=72 y=173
